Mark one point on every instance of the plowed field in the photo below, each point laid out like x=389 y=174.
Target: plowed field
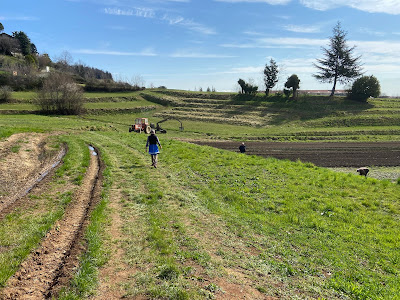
x=322 y=154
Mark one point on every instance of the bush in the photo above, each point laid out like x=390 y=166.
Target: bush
x=5 y=93
x=110 y=86
x=364 y=88
x=60 y=94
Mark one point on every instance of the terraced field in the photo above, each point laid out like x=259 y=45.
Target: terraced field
x=280 y=119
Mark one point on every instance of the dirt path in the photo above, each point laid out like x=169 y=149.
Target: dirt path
x=25 y=160
x=44 y=270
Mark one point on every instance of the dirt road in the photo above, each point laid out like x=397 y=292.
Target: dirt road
x=43 y=273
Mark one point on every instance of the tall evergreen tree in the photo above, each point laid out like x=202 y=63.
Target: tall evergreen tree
x=339 y=63
x=1 y=28
x=270 y=75
x=24 y=42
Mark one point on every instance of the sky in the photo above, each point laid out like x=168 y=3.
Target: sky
x=193 y=44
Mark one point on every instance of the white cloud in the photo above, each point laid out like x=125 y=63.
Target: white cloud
x=138 y=12
x=372 y=6
x=188 y=24
x=371 y=32
x=245 y=70
x=171 y=20
x=390 y=48
x=302 y=29
x=272 y=2
x=188 y=54
x=145 y=52
x=18 y=18
x=279 y=43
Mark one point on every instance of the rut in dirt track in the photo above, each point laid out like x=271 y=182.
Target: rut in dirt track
x=42 y=273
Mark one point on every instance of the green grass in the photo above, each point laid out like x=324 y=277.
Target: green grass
x=22 y=230
x=290 y=229
x=85 y=280
x=315 y=231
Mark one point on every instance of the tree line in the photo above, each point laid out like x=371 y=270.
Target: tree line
x=20 y=45
x=338 y=65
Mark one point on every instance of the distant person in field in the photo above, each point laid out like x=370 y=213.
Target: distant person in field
x=242 y=148
x=153 y=143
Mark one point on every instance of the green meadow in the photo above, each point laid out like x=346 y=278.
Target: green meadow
x=207 y=220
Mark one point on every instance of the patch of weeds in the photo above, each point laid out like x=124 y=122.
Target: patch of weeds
x=261 y=289
x=15 y=148
x=168 y=272
x=78 y=179
x=213 y=288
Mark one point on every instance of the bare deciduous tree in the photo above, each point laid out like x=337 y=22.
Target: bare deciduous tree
x=60 y=94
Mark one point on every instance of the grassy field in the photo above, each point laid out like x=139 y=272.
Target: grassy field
x=209 y=223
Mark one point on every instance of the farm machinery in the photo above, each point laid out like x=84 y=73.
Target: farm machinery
x=143 y=125
x=161 y=130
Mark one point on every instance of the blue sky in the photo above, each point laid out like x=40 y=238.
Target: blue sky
x=188 y=44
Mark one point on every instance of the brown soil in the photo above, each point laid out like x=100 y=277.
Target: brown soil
x=25 y=160
x=49 y=267
x=321 y=154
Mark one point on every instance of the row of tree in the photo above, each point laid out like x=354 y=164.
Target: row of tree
x=338 y=65
x=20 y=43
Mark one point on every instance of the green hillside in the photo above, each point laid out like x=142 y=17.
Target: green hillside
x=210 y=223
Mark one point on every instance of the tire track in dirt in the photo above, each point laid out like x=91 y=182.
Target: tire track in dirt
x=23 y=188
x=26 y=158
x=45 y=270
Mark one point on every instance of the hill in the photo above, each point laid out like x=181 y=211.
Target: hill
x=208 y=223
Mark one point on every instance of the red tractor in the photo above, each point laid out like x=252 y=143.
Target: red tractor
x=141 y=125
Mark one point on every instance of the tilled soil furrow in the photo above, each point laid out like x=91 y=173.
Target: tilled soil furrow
x=40 y=272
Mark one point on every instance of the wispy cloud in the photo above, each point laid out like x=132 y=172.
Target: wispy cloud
x=372 y=6
x=372 y=32
x=272 y=2
x=245 y=70
x=188 y=24
x=279 y=43
x=145 y=52
x=189 y=54
x=171 y=20
x=18 y=18
x=138 y=12
x=302 y=28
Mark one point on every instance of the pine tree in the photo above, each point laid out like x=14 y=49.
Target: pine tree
x=24 y=42
x=270 y=75
x=339 y=64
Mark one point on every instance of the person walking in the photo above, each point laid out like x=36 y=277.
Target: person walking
x=242 y=148
x=153 y=143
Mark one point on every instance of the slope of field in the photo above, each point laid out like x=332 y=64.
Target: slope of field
x=210 y=223
x=279 y=119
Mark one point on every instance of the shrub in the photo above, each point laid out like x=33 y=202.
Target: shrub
x=364 y=88
x=5 y=93
x=109 y=85
x=247 y=88
x=292 y=84
x=60 y=94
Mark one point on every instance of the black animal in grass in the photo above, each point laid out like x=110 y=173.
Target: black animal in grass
x=363 y=171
